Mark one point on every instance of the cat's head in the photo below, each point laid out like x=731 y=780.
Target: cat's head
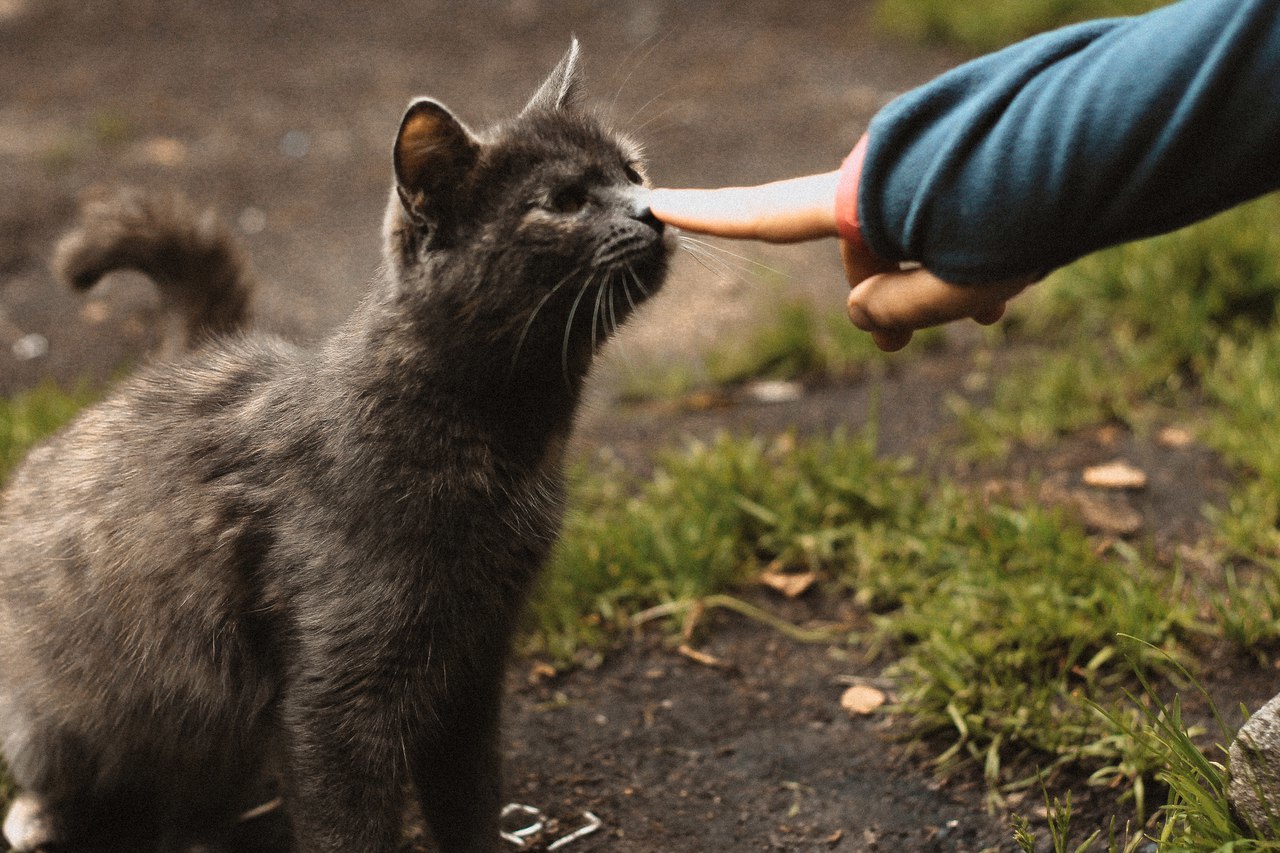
x=533 y=237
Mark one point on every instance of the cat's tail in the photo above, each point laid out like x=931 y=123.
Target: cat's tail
x=203 y=278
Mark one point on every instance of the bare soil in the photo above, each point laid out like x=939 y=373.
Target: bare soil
x=280 y=115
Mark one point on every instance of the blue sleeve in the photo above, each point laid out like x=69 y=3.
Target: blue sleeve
x=1024 y=160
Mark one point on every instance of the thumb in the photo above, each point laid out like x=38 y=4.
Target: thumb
x=915 y=299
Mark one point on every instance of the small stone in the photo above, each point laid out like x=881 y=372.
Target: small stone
x=774 y=391
x=1115 y=475
x=252 y=220
x=33 y=345
x=295 y=144
x=1254 y=763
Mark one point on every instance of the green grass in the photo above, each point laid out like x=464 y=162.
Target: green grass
x=30 y=416
x=1130 y=335
x=1195 y=817
x=984 y=25
x=1001 y=621
x=708 y=517
x=1145 y=334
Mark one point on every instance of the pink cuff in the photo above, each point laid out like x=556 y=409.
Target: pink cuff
x=847 y=196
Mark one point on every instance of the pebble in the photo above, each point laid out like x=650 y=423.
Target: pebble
x=30 y=346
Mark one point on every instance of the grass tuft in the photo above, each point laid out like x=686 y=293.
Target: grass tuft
x=1132 y=333
x=796 y=341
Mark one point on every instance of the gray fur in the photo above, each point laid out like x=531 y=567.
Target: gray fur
x=260 y=565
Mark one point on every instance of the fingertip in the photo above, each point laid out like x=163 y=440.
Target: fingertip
x=659 y=201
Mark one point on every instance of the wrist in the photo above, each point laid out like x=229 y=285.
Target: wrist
x=848 y=222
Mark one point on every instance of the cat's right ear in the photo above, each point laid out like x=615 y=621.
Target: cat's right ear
x=433 y=154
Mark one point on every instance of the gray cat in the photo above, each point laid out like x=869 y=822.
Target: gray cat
x=258 y=562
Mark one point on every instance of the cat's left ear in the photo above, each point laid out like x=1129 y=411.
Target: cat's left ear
x=560 y=90
x=434 y=151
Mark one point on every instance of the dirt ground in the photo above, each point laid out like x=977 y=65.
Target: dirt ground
x=281 y=114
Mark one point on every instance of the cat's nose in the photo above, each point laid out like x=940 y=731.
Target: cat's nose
x=641 y=212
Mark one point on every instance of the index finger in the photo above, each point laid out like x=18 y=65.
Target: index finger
x=780 y=212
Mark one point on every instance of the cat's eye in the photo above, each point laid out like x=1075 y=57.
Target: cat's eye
x=569 y=199
x=632 y=173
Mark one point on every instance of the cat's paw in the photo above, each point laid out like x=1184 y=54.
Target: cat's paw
x=30 y=826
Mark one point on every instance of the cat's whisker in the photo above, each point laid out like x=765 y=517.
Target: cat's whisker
x=626 y=288
x=568 y=328
x=613 y=104
x=524 y=333
x=651 y=119
x=713 y=264
x=644 y=291
x=613 y=312
x=747 y=263
x=597 y=314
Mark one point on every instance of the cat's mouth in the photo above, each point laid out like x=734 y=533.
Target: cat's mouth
x=634 y=253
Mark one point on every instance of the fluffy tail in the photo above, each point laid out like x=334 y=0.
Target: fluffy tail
x=202 y=276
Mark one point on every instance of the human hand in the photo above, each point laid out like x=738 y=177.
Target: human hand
x=887 y=302
x=894 y=303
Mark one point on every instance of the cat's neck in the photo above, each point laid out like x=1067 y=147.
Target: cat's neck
x=423 y=363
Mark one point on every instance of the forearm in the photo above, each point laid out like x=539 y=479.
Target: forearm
x=1022 y=161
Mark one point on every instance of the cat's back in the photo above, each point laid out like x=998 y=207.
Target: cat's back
x=119 y=541
x=158 y=424
x=130 y=489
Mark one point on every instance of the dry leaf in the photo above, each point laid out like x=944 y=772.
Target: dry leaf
x=165 y=151
x=1108 y=515
x=861 y=699
x=1115 y=475
x=1174 y=437
x=702 y=657
x=541 y=671
x=790 y=584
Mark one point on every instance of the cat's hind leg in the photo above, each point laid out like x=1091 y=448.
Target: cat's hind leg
x=54 y=771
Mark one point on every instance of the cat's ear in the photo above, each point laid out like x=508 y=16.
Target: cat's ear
x=560 y=90
x=434 y=151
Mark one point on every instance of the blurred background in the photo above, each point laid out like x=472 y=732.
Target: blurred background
x=280 y=115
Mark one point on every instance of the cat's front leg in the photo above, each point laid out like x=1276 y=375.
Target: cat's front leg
x=345 y=777
x=457 y=767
